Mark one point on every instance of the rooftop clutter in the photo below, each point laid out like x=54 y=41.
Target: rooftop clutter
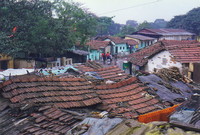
x=56 y=104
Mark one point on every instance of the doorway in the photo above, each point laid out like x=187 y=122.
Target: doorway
x=4 y=64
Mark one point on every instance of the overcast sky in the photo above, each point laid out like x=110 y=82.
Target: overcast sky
x=139 y=10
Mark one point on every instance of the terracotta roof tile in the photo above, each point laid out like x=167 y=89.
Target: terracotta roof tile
x=72 y=92
x=140 y=58
x=183 y=51
x=131 y=42
x=51 y=121
x=126 y=97
x=95 y=44
x=113 y=73
x=119 y=40
x=186 y=55
x=84 y=68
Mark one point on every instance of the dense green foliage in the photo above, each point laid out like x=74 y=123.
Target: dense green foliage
x=43 y=28
x=144 y=25
x=126 y=30
x=103 y=25
x=189 y=21
x=30 y=28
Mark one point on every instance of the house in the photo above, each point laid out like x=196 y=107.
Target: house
x=167 y=34
x=32 y=104
x=143 y=41
x=120 y=46
x=6 y=62
x=96 y=47
x=76 y=56
x=165 y=54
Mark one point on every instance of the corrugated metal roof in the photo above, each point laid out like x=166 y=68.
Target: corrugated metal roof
x=140 y=37
x=165 y=32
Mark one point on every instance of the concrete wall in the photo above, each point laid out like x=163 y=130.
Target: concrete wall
x=142 y=44
x=121 y=48
x=24 y=63
x=176 y=37
x=162 y=60
x=94 y=55
x=6 y=62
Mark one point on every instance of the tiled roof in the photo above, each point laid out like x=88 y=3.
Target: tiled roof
x=140 y=58
x=51 y=121
x=94 y=64
x=95 y=44
x=177 y=42
x=131 y=42
x=83 y=68
x=119 y=40
x=186 y=55
x=113 y=73
x=183 y=51
x=164 y=32
x=141 y=37
x=45 y=120
x=61 y=92
x=127 y=98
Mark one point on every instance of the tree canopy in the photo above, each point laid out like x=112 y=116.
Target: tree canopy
x=189 y=21
x=41 y=28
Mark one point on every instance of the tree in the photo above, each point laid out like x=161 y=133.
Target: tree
x=126 y=30
x=103 y=24
x=23 y=16
x=159 y=23
x=29 y=27
x=144 y=25
x=114 y=28
x=189 y=21
x=132 y=23
x=79 y=22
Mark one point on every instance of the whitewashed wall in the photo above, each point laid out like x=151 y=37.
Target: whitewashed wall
x=176 y=37
x=162 y=60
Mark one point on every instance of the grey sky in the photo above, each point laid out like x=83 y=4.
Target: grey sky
x=139 y=10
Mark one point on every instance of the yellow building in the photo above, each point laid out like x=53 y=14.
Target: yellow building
x=6 y=62
x=143 y=41
x=198 y=38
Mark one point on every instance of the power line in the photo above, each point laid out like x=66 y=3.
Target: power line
x=139 y=5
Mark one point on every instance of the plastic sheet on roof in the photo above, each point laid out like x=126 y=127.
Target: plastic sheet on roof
x=165 y=93
x=56 y=70
x=14 y=72
x=98 y=126
x=188 y=114
x=94 y=75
